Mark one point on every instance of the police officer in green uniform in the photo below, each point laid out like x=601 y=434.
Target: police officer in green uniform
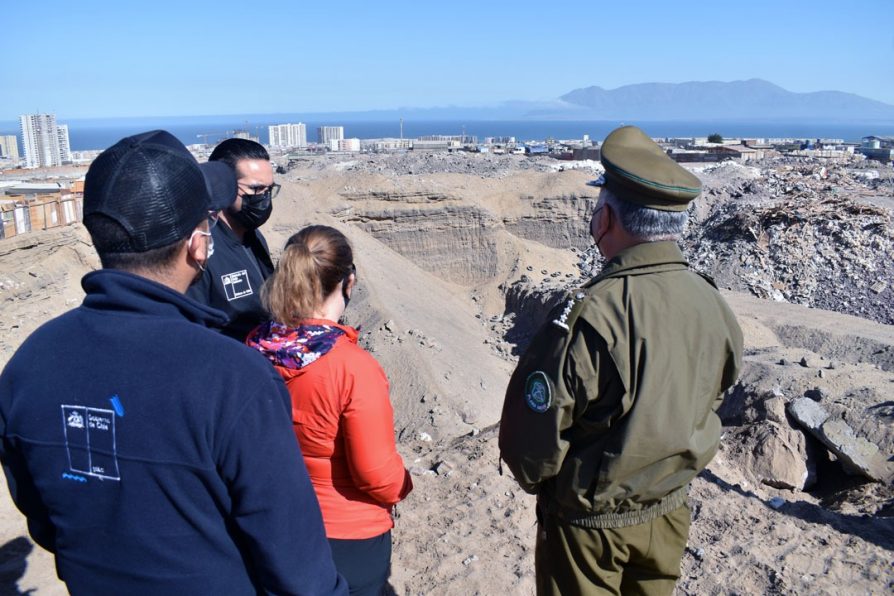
x=611 y=412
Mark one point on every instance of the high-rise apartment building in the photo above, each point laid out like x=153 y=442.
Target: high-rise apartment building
x=64 y=145
x=44 y=143
x=330 y=133
x=9 y=148
x=288 y=135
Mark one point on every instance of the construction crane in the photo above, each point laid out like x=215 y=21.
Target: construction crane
x=204 y=136
x=245 y=132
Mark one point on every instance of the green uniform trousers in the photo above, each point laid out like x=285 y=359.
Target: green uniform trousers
x=643 y=559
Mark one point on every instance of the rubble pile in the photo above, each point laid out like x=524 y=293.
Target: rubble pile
x=813 y=234
x=800 y=230
x=485 y=165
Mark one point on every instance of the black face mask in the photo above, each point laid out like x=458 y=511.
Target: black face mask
x=255 y=211
x=344 y=284
x=344 y=293
x=602 y=235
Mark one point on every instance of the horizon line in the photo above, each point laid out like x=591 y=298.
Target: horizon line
x=483 y=106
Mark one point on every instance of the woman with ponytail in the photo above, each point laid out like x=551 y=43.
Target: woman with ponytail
x=340 y=407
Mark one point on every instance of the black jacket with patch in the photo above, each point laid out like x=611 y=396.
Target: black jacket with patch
x=233 y=278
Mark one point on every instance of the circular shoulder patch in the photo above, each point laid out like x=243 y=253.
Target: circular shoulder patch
x=537 y=392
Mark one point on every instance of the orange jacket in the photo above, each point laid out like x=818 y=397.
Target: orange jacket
x=344 y=422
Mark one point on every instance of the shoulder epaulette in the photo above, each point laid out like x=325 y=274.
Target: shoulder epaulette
x=562 y=321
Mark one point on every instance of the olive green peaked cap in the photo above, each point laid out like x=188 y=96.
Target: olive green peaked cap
x=638 y=171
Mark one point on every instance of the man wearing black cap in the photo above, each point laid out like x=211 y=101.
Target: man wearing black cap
x=149 y=454
x=611 y=411
x=233 y=279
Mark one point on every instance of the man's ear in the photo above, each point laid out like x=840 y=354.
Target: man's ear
x=197 y=246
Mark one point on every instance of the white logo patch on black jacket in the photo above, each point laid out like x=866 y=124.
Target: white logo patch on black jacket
x=236 y=285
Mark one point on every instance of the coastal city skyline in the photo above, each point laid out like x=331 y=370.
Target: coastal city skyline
x=136 y=62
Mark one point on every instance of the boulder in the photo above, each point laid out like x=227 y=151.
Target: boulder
x=857 y=455
x=780 y=458
x=808 y=413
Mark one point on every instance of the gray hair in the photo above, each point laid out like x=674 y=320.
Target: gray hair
x=649 y=225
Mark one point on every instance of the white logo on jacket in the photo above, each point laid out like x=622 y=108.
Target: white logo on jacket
x=90 y=441
x=236 y=285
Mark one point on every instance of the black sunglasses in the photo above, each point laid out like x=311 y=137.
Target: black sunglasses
x=261 y=190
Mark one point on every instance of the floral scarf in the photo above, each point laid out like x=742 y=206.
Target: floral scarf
x=293 y=347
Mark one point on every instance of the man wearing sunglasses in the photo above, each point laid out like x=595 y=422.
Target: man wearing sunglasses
x=241 y=263
x=139 y=467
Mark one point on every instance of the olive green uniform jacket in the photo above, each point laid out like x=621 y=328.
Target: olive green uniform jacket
x=611 y=411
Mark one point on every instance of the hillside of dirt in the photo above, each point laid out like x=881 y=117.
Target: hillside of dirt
x=460 y=257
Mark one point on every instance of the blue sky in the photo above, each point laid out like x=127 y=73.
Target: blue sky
x=94 y=58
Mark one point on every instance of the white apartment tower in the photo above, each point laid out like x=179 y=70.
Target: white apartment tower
x=9 y=148
x=44 y=142
x=64 y=145
x=288 y=135
x=330 y=133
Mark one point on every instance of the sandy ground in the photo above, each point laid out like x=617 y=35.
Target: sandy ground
x=429 y=319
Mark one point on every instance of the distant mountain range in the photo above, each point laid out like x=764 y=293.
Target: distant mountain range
x=754 y=99
x=751 y=100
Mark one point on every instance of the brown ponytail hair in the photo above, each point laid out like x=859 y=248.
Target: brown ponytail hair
x=314 y=262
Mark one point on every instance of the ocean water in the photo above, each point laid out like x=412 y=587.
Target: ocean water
x=102 y=133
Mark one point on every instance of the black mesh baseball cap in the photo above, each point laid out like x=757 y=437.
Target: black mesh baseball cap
x=152 y=186
x=220 y=180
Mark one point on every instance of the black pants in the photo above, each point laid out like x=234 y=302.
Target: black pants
x=364 y=563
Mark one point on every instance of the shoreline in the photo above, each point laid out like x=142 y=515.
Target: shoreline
x=98 y=134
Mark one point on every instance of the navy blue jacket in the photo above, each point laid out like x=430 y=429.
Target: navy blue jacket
x=233 y=278
x=153 y=456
